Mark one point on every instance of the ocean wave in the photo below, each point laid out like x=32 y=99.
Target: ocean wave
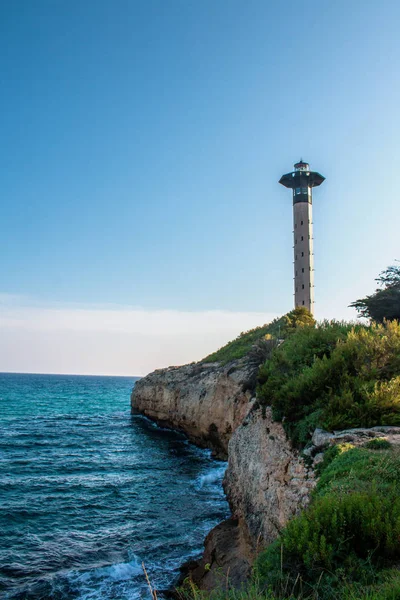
x=122 y=571
x=96 y=493
x=215 y=476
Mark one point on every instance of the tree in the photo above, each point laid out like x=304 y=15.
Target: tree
x=299 y=317
x=384 y=303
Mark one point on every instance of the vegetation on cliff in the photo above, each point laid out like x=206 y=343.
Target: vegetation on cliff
x=248 y=341
x=242 y=345
x=343 y=544
x=334 y=376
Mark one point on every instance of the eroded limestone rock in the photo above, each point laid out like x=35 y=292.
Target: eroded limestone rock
x=206 y=401
x=321 y=439
x=267 y=481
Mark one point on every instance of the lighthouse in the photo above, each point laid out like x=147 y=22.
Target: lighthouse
x=302 y=181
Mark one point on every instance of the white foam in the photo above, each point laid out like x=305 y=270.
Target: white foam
x=117 y=572
x=214 y=476
x=122 y=571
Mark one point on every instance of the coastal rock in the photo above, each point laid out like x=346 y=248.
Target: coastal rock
x=206 y=401
x=321 y=439
x=226 y=561
x=267 y=481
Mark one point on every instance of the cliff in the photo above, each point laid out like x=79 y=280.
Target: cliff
x=335 y=375
x=206 y=401
x=266 y=481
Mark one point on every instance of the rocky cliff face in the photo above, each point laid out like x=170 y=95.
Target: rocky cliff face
x=267 y=481
x=206 y=401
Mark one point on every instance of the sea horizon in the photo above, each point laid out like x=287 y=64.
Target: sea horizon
x=67 y=374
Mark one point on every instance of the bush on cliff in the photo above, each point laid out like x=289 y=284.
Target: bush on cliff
x=335 y=376
x=344 y=546
x=347 y=537
x=299 y=318
x=244 y=342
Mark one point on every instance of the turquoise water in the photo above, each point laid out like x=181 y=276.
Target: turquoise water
x=88 y=492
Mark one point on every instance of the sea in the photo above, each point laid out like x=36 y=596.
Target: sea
x=89 y=494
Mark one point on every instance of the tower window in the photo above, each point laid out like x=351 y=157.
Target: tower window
x=304 y=190
x=297 y=190
x=302 y=270
x=302 y=253
x=302 y=238
x=302 y=287
x=303 y=302
x=302 y=222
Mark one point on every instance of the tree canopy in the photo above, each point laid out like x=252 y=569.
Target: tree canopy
x=298 y=317
x=384 y=303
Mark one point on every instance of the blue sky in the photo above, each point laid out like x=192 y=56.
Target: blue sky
x=142 y=143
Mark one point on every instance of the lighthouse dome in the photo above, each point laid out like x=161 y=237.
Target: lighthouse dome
x=302 y=166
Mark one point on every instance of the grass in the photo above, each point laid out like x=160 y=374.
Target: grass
x=386 y=588
x=242 y=345
x=378 y=444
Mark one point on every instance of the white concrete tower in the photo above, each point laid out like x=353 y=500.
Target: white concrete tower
x=301 y=181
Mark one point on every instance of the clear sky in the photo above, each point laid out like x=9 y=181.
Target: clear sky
x=141 y=145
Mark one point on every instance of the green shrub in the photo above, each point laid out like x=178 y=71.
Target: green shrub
x=387 y=587
x=330 y=454
x=244 y=342
x=378 y=444
x=355 y=470
x=348 y=533
x=336 y=532
x=336 y=376
x=297 y=318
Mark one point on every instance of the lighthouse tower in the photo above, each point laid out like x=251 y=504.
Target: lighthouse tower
x=302 y=181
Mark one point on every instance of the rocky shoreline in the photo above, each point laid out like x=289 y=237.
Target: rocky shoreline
x=267 y=481
x=206 y=401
